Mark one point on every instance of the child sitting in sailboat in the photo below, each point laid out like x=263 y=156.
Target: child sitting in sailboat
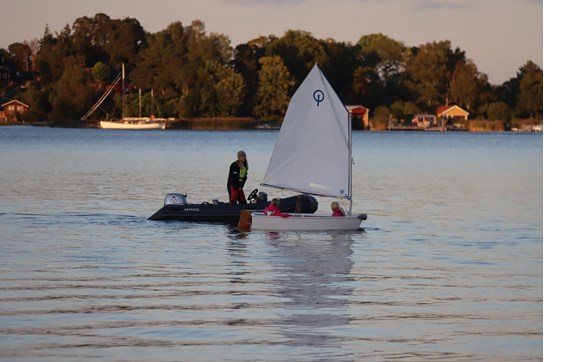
x=274 y=209
x=336 y=209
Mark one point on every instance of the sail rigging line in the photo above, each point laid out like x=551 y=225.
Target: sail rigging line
x=102 y=99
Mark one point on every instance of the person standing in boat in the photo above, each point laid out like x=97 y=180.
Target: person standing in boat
x=336 y=209
x=237 y=179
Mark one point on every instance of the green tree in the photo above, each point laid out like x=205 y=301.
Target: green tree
x=38 y=102
x=431 y=69
x=383 y=53
x=71 y=95
x=53 y=49
x=366 y=87
x=160 y=66
x=299 y=50
x=404 y=110
x=466 y=84
x=7 y=59
x=22 y=55
x=222 y=92
x=89 y=36
x=531 y=96
x=126 y=40
x=186 y=106
x=273 y=91
x=343 y=59
x=246 y=62
x=498 y=111
x=101 y=72
x=173 y=57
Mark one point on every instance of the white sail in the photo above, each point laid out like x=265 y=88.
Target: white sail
x=312 y=154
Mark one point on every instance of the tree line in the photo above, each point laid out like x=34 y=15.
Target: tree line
x=196 y=74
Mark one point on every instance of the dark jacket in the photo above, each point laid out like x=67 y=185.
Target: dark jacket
x=234 y=178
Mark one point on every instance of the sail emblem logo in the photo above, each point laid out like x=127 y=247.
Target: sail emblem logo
x=318 y=96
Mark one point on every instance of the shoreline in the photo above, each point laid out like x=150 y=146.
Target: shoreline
x=250 y=124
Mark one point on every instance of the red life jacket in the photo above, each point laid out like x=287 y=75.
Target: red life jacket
x=338 y=212
x=272 y=210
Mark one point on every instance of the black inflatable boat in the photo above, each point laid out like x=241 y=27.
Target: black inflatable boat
x=176 y=207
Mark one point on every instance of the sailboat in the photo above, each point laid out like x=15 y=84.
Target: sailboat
x=135 y=123
x=312 y=155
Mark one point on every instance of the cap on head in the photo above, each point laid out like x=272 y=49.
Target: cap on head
x=241 y=153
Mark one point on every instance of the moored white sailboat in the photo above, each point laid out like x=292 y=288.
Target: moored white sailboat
x=135 y=123
x=132 y=123
x=313 y=156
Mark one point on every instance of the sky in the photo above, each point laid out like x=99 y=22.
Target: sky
x=498 y=35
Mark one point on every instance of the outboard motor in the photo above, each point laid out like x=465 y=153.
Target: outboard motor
x=175 y=199
x=262 y=196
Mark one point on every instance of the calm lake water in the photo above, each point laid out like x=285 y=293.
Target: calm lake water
x=448 y=266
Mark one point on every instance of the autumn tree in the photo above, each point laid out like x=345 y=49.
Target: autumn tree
x=274 y=86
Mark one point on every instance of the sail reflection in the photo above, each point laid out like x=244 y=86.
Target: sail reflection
x=314 y=278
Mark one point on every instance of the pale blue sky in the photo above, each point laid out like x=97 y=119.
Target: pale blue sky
x=499 y=35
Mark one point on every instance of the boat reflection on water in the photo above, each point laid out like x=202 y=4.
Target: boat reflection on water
x=313 y=275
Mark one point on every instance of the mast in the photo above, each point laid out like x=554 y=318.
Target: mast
x=123 y=91
x=350 y=161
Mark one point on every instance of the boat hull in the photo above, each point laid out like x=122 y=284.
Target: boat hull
x=131 y=125
x=305 y=222
x=225 y=213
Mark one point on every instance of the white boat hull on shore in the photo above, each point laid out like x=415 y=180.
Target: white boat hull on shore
x=305 y=222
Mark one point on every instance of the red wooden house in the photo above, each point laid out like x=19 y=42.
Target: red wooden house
x=13 y=109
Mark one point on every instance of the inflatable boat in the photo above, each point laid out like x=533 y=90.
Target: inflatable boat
x=176 y=207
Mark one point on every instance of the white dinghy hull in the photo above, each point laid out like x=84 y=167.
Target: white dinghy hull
x=305 y=222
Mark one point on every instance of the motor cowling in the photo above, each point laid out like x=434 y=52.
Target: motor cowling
x=175 y=199
x=262 y=196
